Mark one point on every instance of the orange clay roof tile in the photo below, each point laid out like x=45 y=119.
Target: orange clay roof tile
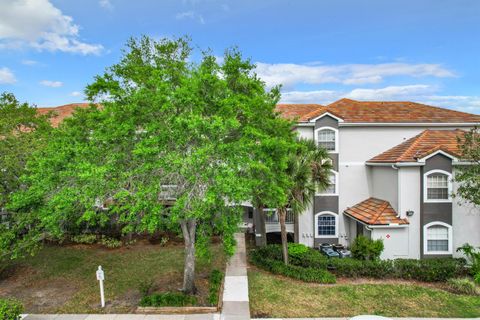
x=422 y=145
x=374 y=211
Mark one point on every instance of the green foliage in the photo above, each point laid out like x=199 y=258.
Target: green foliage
x=430 y=270
x=364 y=248
x=204 y=134
x=168 y=299
x=468 y=177
x=353 y=268
x=473 y=256
x=22 y=133
x=10 y=309
x=462 y=286
x=85 y=238
x=307 y=274
x=215 y=282
x=110 y=243
x=476 y=278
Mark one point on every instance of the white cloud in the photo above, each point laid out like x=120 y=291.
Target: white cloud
x=289 y=74
x=52 y=84
x=7 y=76
x=76 y=93
x=29 y=62
x=316 y=96
x=190 y=15
x=106 y=4
x=39 y=24
x=391 y=92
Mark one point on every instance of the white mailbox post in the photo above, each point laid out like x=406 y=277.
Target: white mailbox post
x=100 y=278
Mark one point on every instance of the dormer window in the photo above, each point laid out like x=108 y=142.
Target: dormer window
x=327 y=138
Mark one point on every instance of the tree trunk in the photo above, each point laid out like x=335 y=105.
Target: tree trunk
x=262 y=227
x=282 y=215
x=189 y=227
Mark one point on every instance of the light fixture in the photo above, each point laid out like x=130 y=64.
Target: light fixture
x=410 y=213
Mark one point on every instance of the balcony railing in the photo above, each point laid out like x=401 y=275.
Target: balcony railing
x=271 y=216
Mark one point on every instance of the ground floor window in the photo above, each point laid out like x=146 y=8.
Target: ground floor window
x=326 y=225
x=437 y=238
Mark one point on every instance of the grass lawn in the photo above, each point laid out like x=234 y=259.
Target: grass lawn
x=62 y=278
x=276 y=296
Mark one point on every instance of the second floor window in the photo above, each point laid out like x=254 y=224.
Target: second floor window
x=438 y=187
x=327 y=138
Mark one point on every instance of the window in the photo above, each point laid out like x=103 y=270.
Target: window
x=437 y=186
x=332 y=189
x=326 y=225
x=327 y=137
x=438 y=238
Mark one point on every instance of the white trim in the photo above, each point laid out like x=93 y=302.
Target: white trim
x=336 y=193
x=438 y=152
x=396 y=164
x=315 y=137
x=425 y=240
x=326 y=114
x=408 y=124
x=449 y=184
x=316 y=224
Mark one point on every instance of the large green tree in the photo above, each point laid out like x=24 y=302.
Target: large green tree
x=168 y=129
x=308 y=171
x=468 y=176
x=22 y=132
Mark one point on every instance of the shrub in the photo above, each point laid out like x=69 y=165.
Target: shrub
x=110 y=243
x=477 y=278
x=299 y=255
x=352 y=268
x=473 y=256
x=462 y=286
x=168 y=299
x=364 y=248
x=216 y=278
x=86 y=238
x=10 y=309
x=307 y=274
x=429 y=270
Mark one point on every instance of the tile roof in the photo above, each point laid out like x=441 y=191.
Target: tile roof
x=423 y=144
x=61 y=112
x=374 y=211
x=352 y=111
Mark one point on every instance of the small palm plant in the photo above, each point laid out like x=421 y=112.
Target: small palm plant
x=309 y=170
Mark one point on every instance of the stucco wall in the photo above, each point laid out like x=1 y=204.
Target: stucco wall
x=385 y=184
x=409 y=200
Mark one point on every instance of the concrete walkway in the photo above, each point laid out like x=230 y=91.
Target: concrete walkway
x=212 y=316
x=235 y=292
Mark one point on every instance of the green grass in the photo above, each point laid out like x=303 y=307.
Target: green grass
x=62 y=278
x=278 y=297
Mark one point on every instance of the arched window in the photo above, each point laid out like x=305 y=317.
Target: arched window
x=327 y=137
x=437 y=238
x=437 y=186
x=326 y=225
x=332 y=189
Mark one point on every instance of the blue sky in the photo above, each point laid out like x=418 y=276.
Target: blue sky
x=425 y=51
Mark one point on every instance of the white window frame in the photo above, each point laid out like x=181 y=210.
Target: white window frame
x=315 y=133
x=336 y=193
x=323 y=213
x=425 y=187
x=425 y=239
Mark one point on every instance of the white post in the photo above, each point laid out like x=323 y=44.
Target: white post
x=100 y=278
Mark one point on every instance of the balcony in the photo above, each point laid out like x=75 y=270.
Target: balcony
x=272 y=224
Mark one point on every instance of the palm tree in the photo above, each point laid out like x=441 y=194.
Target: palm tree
x=309 y=170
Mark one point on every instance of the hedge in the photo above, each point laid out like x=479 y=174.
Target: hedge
x=428 y=270
x=301 y=273
x=168 y=299
x=10 y=309
x=216 y=278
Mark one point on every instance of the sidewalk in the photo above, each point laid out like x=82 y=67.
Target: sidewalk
x=213 y=316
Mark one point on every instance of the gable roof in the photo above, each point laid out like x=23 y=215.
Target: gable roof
x=62 y=112
x=422 y=145
x=352 y=111
x=375 y=211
